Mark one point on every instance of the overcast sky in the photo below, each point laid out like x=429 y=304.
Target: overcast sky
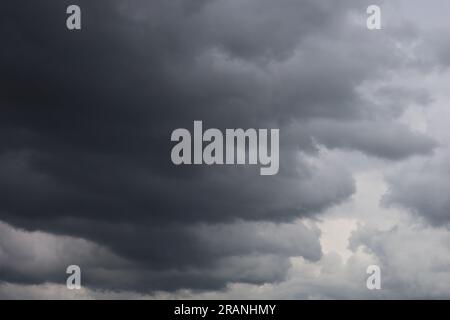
x=85 y=170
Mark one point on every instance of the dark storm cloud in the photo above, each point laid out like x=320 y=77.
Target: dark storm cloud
x=30 y=257
x=237 y=252
x=86 y=119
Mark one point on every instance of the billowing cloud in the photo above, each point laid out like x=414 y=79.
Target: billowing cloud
x=418 y=188
x=86 y=119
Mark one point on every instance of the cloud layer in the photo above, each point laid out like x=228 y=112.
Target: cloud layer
x=85 y=170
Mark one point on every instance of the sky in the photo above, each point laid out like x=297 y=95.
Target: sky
x=85 y=170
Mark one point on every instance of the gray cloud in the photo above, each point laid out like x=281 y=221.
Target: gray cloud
x=418 y=187
x=29 y=257
x=414 y=260
x=87 y=116
x=238 y=252
x=382 y=139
